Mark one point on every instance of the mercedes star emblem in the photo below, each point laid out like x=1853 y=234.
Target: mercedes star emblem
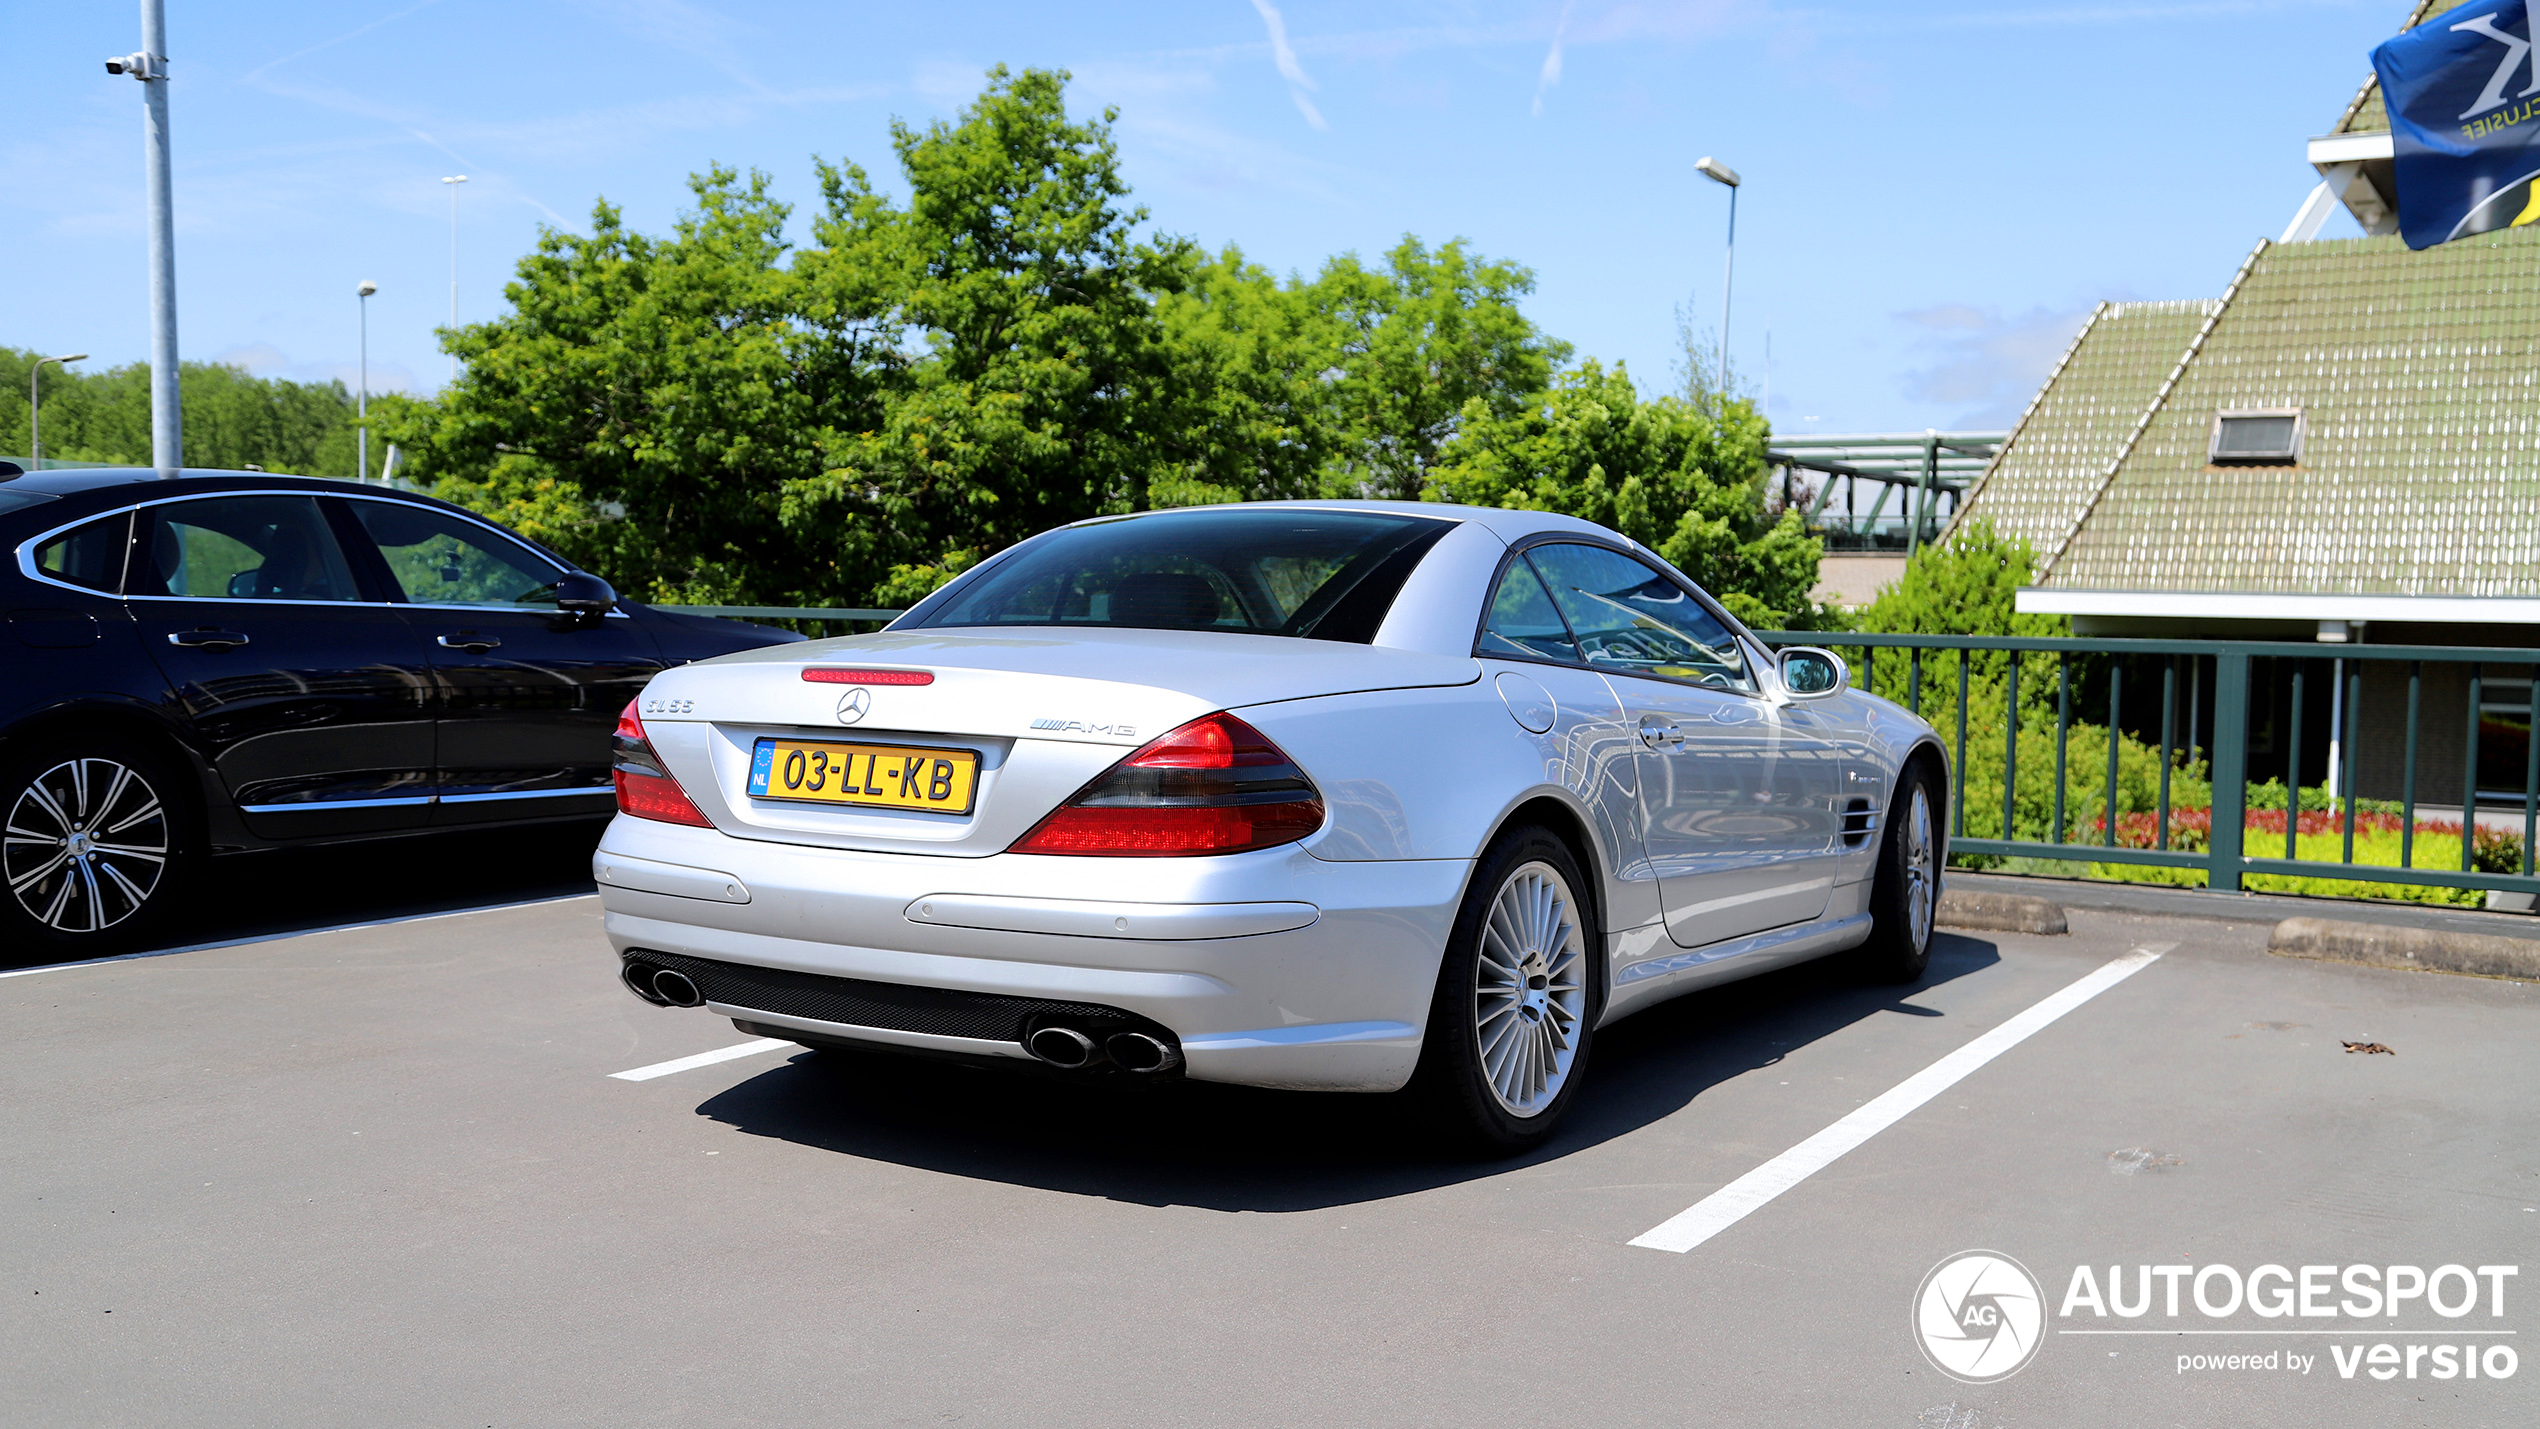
x=852 y=708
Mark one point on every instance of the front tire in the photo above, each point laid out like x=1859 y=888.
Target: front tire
x=97 y=845
x=1519 y=991
x=1904 y=901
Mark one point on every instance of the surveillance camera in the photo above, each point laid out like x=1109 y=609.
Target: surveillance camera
x=114 y=66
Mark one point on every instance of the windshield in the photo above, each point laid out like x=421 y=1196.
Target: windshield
x=1321 y=575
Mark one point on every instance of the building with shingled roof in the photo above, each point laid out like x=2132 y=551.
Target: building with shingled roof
x=2344 y=446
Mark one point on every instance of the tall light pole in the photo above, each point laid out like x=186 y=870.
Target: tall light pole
x=35 y=405
x=361 y=400
x=150 y=66
x=1720 y=173
x=454 y=181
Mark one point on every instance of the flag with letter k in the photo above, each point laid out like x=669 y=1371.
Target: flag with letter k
x=2463 y=91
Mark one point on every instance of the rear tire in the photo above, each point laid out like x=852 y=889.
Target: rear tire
x=100 y=840
x=1518 y=994
x=1905 y=899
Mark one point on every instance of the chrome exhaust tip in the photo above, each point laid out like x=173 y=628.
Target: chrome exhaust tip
x=1061 y=1047
x=638 y=978
x=676 y=989
x=1138 y=1052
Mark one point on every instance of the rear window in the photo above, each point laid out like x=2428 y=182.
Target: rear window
x=1317 y=575
x=90 y=556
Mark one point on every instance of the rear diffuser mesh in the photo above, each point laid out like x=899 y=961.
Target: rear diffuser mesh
x=899 y=1007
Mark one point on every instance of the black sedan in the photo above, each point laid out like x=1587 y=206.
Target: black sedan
x=227 y=661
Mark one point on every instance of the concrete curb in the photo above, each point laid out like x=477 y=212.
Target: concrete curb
x=2476 y=954
x=1999 y=912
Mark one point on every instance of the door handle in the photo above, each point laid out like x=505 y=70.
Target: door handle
x=1654 y=733
x=207 y=639
x=469 y=641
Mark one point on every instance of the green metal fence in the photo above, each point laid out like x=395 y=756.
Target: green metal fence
x=2223 y=698
x=2190 y=704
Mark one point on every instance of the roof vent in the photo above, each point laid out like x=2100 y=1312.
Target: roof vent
x=2258 y=436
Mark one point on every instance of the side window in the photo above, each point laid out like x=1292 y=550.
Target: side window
x=1629 y=618
x=1522 y=621
x=91 y=556
x=438 y=559
x=242 y=548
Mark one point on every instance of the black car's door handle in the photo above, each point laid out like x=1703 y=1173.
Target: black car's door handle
x=207 y=639
x=469 y=641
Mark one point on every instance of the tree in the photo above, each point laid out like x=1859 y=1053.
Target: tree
x=1045 y=371
x=1422 y=344
x=232 y=419
x=645 y=403
x=1687 y=485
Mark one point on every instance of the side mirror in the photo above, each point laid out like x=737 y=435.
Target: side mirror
x=1809 y=673
x=582 y=593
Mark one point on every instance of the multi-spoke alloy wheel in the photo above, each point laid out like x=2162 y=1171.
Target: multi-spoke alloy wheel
x=1529 y=989
x=1903 y=899
x=1521 y=983
x=1920 y=858
x=88 y=842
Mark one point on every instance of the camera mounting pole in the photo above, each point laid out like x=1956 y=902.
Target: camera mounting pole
x=150 y=67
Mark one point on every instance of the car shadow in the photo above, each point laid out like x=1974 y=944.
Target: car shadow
x=279 y=892
x=1243 y=1149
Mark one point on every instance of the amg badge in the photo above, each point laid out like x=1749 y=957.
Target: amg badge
x=1078 y=726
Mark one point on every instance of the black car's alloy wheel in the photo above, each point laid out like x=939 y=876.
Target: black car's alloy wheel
x=91 y=845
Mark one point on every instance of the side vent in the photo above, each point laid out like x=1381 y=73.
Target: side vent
x=1858 y=822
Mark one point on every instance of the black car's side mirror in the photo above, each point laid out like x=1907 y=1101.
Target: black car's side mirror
x=582 y=593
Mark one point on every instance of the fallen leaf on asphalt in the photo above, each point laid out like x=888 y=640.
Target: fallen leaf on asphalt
x=2369 y=1047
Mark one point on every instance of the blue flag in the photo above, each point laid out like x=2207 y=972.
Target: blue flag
x=2463 y=91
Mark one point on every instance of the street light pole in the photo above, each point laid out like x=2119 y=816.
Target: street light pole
x=35 y=405
x=1720 y=173
x=454 y=181
x=361 y=400
x=150 y=66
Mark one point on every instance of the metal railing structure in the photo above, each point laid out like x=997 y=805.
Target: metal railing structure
x=1930 y=468
x=2192 y=702
x=2216 y=719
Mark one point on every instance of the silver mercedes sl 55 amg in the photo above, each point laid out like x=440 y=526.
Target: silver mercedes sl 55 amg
x=1337 y=796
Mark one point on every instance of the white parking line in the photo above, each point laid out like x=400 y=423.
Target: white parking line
x=285 y=937
x=1733 y=1202
x=706 y=1059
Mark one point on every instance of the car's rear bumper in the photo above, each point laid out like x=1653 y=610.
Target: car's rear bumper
x=1272 y=969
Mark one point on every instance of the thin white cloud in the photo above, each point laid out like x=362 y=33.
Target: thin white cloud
x=1983 y=362
x=1282 y=55
x=1551 y=74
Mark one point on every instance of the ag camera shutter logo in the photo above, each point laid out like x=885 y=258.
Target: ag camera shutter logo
x=1979 y=1316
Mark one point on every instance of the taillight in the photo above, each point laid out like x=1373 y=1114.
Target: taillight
x=1215 y=785
x=645 y=788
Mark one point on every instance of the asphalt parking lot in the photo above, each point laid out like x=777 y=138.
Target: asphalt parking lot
x=384 y=1175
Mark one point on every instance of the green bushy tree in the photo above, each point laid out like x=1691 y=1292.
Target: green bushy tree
x=1687 y=484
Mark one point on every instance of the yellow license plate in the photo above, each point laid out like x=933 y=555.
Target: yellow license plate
x=881 y=776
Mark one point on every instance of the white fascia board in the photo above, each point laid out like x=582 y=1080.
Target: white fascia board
x=2231 y=605
x=2351 y=149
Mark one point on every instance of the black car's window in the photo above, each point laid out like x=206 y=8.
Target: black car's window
x=1522 y=621
x=438 y=559
x=1631 y=619
x=1261 y=571
x=91 y=556
x=242 y=548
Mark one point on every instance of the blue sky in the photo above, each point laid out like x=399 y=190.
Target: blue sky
x=1936 y=194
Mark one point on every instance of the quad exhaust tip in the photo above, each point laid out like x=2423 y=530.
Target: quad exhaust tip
x=1138 y=1052
x=638 y=978
x=675 y=989
x=1061 y=1047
